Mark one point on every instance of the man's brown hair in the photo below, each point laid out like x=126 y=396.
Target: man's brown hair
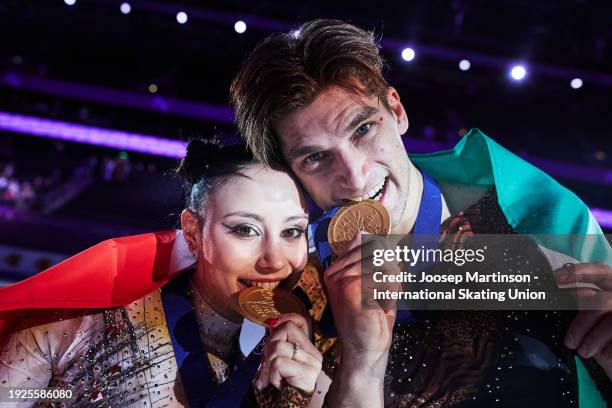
x=287 y=72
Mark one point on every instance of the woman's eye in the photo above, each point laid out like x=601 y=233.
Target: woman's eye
x=363 y=129
x=244 y=231
x=293 y=233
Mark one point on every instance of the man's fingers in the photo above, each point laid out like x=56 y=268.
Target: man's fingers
x=580 y=326
x=597 y=338
x=598 y=274
x=606 y=353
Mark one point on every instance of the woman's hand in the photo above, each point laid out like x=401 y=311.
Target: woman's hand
x=290 y=355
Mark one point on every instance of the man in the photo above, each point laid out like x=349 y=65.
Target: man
x=318 y=100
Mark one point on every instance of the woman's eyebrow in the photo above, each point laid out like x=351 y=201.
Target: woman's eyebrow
x=243 y=214
x=296 y=218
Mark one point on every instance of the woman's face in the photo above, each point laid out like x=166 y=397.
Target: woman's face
x=252 y=233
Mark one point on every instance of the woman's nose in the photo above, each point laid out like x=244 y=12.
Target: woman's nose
x=271 y=259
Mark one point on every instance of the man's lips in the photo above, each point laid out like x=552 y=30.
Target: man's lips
x=373 y=193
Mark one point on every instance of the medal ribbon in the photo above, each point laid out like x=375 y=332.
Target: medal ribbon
x=426 y=228
x=200 y=389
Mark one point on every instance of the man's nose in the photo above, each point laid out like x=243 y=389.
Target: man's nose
x=271 y=259
x=353 y=172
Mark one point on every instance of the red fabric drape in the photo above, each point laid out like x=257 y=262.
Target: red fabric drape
x=112 y=273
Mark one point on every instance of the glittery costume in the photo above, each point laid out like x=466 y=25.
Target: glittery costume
x=114 y=357
x=483 y=358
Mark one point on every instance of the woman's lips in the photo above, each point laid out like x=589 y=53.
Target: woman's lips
x=259 y=283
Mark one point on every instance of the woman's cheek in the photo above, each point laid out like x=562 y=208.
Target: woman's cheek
x=299 y=255
x=238 y=257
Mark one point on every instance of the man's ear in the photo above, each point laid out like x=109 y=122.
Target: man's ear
x=190 y=224
x=398 y=110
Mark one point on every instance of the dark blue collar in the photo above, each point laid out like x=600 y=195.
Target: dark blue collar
x=427 y=226
x=198 y=384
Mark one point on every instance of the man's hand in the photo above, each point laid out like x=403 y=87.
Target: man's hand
x=365 y=328
x=590 y=333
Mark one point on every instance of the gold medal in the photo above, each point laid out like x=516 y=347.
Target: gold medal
x=368 y=216
x=258 y=304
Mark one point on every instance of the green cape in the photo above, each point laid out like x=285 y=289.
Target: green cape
x=532 y=201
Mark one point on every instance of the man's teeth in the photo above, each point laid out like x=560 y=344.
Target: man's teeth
x=263 y=285
x=374 y=194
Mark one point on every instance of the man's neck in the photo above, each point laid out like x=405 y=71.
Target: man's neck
x=413 y=202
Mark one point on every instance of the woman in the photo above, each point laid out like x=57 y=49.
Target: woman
x=178 y=345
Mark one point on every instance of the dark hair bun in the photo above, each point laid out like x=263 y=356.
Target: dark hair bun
x=209 y=158
x=200 y=154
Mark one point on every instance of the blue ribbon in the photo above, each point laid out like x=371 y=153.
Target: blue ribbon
x=200 y=389
x=426 y=227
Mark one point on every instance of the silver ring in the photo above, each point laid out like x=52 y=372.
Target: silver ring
x=296 y=348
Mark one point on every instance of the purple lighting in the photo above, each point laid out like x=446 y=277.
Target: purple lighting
x=603 y=217
x=116 y=139
x=72 y=132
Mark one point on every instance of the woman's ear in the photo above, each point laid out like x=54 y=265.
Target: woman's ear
x=190 y=224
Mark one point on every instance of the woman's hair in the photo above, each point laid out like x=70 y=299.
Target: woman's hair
x=205 y=167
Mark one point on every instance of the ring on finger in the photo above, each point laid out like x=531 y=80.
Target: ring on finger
x=296 y=348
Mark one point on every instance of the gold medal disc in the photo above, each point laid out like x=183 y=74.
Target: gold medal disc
x=368 y=216
x=258 y=304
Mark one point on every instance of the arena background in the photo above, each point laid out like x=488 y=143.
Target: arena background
x=98 y=96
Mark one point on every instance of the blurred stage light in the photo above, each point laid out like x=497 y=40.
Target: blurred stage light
x=240 y=27
x=576 y=83
x=125 y=8
x=72 y=132
x=181 y=17
x=518 y=72
x=294 y=33
x=153 y=88
x=408 y=54
x=70 y=2
x=464 y=65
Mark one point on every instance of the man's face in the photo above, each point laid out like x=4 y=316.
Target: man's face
x=343 y=147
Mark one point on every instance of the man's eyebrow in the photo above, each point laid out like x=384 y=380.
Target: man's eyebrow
x=362 y=115
x=299 y=151
x=243 y=214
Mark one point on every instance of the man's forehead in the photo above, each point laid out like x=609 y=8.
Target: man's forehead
x=330 y=115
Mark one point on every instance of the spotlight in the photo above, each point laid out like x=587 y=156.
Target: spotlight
x=294 y=33
x=518 y=72
x=181 y=17
x=408 y=54
x=464 y=65
x=240 y=26
x=125 y=8
x=576 y=83
x=70 y=2
x=153 y=88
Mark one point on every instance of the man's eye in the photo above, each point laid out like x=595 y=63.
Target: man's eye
x=293 y=233
x=244 y=230
x=313 y=158
x=363 y=129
